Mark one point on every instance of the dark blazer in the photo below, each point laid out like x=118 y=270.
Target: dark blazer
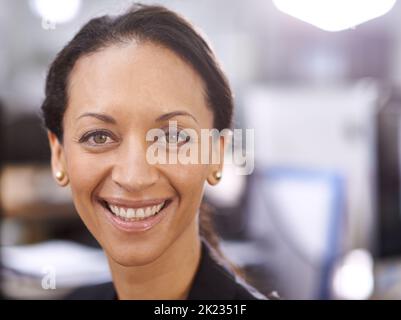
x=213 y=281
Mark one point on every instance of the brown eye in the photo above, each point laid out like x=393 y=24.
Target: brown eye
x=97 y=138
x=172 y=137
x=100 y=138
x=178 y=137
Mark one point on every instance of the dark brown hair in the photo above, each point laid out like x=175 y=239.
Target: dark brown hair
x=142 y=23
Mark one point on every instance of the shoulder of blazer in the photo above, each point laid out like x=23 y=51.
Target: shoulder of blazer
x=103 y=291
x=214 y=280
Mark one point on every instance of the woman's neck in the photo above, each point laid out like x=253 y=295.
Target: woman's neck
x=168 y=277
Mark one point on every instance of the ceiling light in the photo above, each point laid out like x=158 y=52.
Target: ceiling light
x=59 y=11
x=335 y=15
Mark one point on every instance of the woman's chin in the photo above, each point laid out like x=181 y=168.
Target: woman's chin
x=133 y=258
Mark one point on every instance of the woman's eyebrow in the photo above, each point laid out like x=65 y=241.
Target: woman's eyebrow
x=163 y=117
x=169 y=115
x=99 y=116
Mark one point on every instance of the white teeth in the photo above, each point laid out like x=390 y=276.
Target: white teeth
x=123 y=213
x=148 y=212
x=130 y=213
x=135 y=214
x=115 y=210
x=140 y=213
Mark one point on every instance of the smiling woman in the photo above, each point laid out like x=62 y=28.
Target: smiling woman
x=118 y=78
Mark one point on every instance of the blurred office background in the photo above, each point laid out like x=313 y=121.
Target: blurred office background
x=319 y=217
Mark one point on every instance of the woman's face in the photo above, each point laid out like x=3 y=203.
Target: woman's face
x=115 y=96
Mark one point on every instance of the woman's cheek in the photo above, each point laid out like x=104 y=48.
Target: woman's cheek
x=188 y=180
x=85 y=175
x=81 y=174
x=187 y=175
x=85 y=171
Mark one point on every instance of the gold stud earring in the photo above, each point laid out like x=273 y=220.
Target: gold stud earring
x=60 y=175
x=217 y=175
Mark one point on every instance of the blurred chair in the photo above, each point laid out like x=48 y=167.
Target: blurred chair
x=2 y=155
x=388 y=166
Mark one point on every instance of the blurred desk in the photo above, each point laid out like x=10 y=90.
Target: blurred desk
x=29 y=191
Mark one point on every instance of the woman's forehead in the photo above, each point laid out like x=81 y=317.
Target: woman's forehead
x=138 y=77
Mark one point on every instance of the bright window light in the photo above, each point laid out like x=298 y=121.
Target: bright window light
x=353 y=278
x=335 y=15
x=59 y=11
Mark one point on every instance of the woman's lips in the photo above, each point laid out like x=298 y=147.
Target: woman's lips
x=135 y=216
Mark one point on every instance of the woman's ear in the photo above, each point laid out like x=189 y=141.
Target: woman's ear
x=216 y=169
x=58 y=163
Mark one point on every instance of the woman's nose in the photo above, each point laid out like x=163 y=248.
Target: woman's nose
x=131 y=170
